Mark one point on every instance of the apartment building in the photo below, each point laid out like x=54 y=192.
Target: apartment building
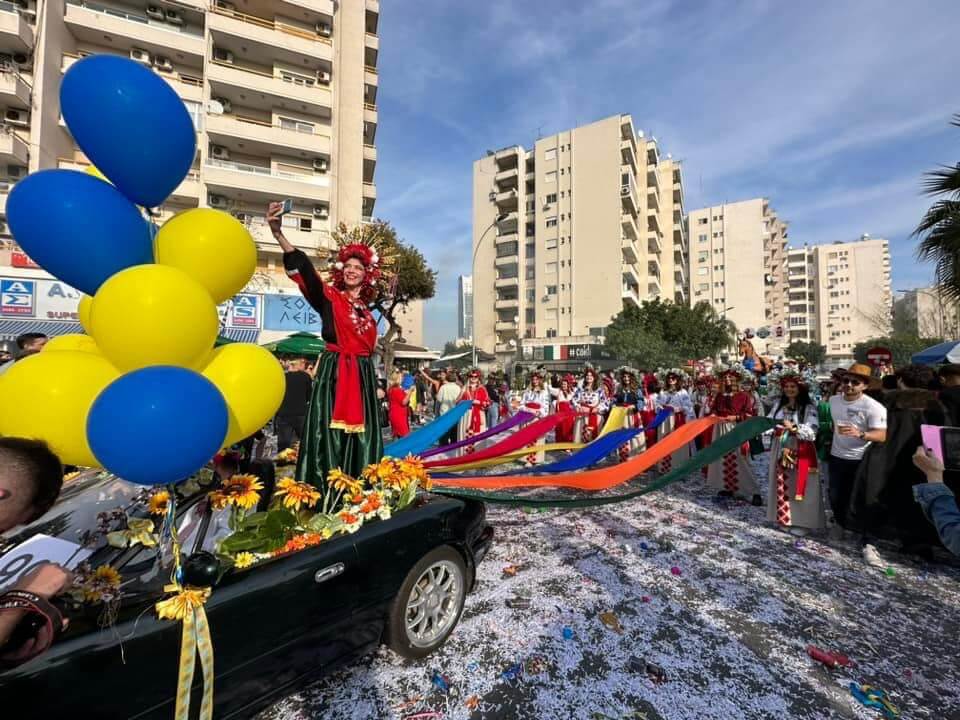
x=465 y=308
x=927 y=313
x=566 y=232
x=854 y=299
x=283 y=94
x=802 y=284
x=738 y=258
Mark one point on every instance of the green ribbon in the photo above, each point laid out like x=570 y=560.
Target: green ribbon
x=730 y=442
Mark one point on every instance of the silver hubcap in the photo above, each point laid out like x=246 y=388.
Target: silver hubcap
x=434 y=603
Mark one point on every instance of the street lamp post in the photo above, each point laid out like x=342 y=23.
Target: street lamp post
x=473 y=262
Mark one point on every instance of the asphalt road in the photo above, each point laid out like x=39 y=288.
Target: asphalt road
x=723 y=604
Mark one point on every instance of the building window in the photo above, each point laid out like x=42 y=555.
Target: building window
x=704 y=287
x=531 y=315
x=701 y=238
x=702 y=271
x=550 y=154
x=701 y=221
x=551 y=244
x=551 y=333
x=703 y=256
x=550 y=177
x=551 y=222
x=550 y=198
x=551 y=267
x=551 y=289
x=529 y=274
x=531 y=297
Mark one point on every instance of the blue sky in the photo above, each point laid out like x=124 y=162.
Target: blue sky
x=833 y=109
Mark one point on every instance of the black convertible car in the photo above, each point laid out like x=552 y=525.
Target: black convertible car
x=275 y=626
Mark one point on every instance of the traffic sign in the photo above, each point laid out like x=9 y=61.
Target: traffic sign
x=878 y=356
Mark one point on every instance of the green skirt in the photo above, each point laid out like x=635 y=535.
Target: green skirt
x=321 y=448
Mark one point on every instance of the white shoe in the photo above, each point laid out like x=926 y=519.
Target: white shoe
x=871 y=556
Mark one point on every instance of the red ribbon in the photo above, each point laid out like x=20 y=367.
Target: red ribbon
x=347 y=401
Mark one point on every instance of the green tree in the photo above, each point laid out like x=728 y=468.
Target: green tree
x=902 y=346
x=810 y=353
x=662 y=333
x=939 y=230
x=415 y=280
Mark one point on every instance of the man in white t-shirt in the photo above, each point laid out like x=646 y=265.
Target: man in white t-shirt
x=858 y=420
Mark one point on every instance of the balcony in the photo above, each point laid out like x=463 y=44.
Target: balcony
x=628 y=193
x=680 y=276
x=507 y=177
x=653 y=199
x=507 y=282
x=506 y=238
x=371 y=41
x=89 y=22
x=188 y=87
x=630 y=275
x=505 y=348
x=188 y=191
x=653 y=267
x=14 y=90
x=629 y=225
x=370 y=75
x=13 y=150
x=628 y=153
x=628 y=247
x=370 y=113
x=15 y=32
x=506 y=260
x=259 y=182
x=505 y=325
x=270 y=33
x=653 y=222
x=369 y=190
x=653 y=243
x=281 y=87
x=653 y=287
x=653 y=179
x=509 y=223
x=630 y=294
x=653 y=153
x=506 y=200
x=270 y=136
x=506 y=304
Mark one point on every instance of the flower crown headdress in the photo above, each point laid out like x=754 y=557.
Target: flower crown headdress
x=365 y=243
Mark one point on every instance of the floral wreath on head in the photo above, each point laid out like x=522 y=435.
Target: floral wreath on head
x=735 y=369
x=531 y=374
x=569 y=378
x=365 y=243
x=776 y=378
x=627 y=370
x=663 y=374
x=589 y=368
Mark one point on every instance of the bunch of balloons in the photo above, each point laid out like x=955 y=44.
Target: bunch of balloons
x=143 y=393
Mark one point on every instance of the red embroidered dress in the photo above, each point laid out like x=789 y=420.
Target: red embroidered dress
x=342 y=428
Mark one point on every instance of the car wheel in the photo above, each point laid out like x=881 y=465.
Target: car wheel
x=429 y=604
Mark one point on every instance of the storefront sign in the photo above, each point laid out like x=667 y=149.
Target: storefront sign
x=20 y=259
x=289 y=312
x=241 y=311
x=57 y=301
x=17 y=298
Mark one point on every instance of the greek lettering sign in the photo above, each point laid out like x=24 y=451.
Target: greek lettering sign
x=241 y=311
x=289 y=312
x=17 y=298
x=57 y=301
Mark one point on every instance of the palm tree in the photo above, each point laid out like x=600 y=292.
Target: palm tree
x=940 y=228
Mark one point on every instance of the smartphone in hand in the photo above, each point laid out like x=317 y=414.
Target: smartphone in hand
x=286 y=207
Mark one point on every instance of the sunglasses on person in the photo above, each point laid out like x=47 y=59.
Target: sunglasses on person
x=852 y=381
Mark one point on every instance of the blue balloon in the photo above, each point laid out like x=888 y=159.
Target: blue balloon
x=157 y=425
x=131 y=124
x=77 y=227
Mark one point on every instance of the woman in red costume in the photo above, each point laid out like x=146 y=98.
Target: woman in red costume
x=342 y=427
x=475 y=421
x=732 y=475
x=563 y=397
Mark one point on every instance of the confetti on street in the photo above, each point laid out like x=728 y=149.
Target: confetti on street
x=727 y=637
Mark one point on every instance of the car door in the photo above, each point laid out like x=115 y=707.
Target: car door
x=273 y=623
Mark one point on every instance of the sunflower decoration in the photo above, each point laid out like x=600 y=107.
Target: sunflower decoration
x=412 y=467
x=139 y=531
x=95 y=586
x=240 y=491
x=244 y=560
x=296 y=494
x=341 y=482
x=367 y=243
x=159 y=503
x=288 y=456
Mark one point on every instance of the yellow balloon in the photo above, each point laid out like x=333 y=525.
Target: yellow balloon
x=83 y=310
x=251 y=381
x=153 y=315
x=212 y=247
x=48 y=395
x=95 y=171
x=73 y=341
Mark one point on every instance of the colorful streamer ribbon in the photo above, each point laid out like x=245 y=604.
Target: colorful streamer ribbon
x=418 y=441
x=519 y=419
x=618 y=474
x=187 y=607
x=523 y=437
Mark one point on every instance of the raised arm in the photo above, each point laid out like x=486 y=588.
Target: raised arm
x=295 y=262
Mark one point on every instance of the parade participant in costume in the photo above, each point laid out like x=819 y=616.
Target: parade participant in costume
x=590 y=401
x=563 y=402
x=342 y=428
x=648 y=409
x=732 y=475
x=676 y=398
x=610 y=383
x=398 y=401
x=794 y=498
x=749 y=386
x=536 y=400
x=631 y=397
x=475 y=421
